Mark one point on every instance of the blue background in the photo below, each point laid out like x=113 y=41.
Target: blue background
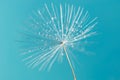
x=104 y=65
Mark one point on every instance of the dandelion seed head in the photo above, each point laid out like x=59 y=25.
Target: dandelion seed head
x=55 y=31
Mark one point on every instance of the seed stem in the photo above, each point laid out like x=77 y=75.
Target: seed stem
x=70 y=64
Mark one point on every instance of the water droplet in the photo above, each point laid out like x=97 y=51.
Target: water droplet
x=52 y=18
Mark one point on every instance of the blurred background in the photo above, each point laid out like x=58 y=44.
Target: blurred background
x=104 y=65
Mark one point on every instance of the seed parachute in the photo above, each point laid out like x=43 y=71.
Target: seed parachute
x=53 y=31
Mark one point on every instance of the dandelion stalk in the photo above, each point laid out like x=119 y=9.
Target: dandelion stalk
x=73 y=72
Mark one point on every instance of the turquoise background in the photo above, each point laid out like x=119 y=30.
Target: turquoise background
x=104 y=65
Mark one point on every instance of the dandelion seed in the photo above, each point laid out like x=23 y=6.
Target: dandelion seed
x=58 y=31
